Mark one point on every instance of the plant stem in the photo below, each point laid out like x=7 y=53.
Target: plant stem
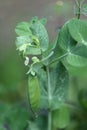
x=78 y=8
x=49 y=120
x=49 y=85
x=59 y=58
x=49 y=99
x=73 y=105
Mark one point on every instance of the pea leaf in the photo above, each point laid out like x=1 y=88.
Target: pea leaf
x=22 y=29
x=32 y=50
x=61 y=117
x=59 y=85
x=43 y=21
x=65 y=41
x=33 y=126
x=78 y=30
x=32 y=36
x=85 y=8
x=27 y=45
x=34 y=92
x=40 y=32
x=78 y=56
x=76 y=60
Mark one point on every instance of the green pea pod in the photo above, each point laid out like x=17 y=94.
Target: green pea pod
x=34 y=92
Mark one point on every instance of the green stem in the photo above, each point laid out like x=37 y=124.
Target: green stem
x=59 y=58
x=73 y=105
x=79 y=8
x=49 y=85
x=79 y=11
x=49 y=120
x=49 y=99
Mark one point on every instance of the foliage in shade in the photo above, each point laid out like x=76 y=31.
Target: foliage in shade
x=83 y=98
x=38 y=124
x=61 y=117
x=33 y=126
x=13 y=116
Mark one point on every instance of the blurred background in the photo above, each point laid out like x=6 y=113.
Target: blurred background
x=13 y=78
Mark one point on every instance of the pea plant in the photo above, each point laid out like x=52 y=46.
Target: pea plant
x=48 y=66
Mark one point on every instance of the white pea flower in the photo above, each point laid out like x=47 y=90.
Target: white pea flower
x=26 y=62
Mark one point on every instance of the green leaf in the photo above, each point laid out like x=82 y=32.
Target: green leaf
x=43 y=21
x=75 y=55
x=34 y=92
x=76 y=60
x=83 y=98
x=40 y=32
x=22 y=29
x=58 y=89
x=18 y=116
x=11 y=114
x=59 y=85
x=65 y=41
x=85 y=8
x=21 y=40
x=78 y=30
x=37 y=66
x=61 y=117
x=32 y=50
x=39 y=123
x=78 y=56
x=33 y=36
x=25 y=44
x=33 y=126
x=42 y=121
